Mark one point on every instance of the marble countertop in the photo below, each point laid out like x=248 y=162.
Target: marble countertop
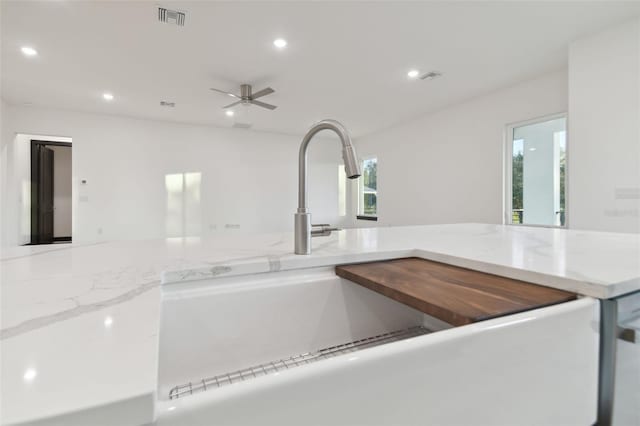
x=79 y=328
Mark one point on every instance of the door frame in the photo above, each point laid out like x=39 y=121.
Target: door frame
x=35 y=177
x=507 y=160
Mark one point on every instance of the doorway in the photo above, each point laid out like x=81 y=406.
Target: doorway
x=51 y=205
x=536 y=172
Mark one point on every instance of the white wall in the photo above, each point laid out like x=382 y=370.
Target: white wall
x=62 y=203
x=604 y=130
x=447 y=166
x=246 y=178
x=5 y=138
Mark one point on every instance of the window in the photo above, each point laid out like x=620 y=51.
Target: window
x=536 y=172
x=183 y=214
x=368 y=190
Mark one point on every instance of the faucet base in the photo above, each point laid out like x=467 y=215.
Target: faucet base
x=302 y=232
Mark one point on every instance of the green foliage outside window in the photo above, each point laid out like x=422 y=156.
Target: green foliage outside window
x=369 y=173
x=370 y=187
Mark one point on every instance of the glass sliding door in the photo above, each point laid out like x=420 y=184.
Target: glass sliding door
x=536 y=172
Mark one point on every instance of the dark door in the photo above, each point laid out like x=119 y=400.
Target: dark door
x=44 y=194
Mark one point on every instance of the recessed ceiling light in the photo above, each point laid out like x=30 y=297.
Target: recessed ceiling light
x=280 y=43
x=108 y=322
x=413 y=73
x=28 y=51
x=107 y=96
x=229 y=113
x=30 y=374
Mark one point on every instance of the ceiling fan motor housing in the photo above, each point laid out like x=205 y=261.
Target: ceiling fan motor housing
x=245 y=91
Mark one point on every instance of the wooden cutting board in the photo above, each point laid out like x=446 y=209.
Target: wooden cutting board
x=452 y=294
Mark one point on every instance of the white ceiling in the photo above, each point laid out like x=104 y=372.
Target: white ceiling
x=345 y=60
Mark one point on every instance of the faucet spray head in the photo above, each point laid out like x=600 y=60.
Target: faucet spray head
x=351 y=166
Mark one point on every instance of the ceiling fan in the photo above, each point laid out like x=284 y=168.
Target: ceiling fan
x=248 y=98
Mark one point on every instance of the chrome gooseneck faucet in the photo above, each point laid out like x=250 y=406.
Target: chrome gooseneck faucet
x=303 y=231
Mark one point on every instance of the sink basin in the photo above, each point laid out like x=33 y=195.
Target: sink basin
x=214 y=331
x=226 y=347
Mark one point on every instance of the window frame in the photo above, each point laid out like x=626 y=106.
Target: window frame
x=360 y=192
x=508 y=170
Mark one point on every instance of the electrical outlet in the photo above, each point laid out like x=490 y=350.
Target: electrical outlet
x=630 y=193
x=630 y=212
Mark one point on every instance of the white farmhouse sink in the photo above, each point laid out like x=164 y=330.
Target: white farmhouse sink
x=537 y=367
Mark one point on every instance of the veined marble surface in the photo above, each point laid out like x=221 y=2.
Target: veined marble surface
x=80 y=323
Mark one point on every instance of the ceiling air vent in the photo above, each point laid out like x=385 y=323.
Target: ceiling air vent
x=430 y=75
x=171 y=16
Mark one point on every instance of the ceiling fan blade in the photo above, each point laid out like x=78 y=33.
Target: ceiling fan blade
x=225 y=93
x=263 y=105
x=232 y=105
x=262 y=92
